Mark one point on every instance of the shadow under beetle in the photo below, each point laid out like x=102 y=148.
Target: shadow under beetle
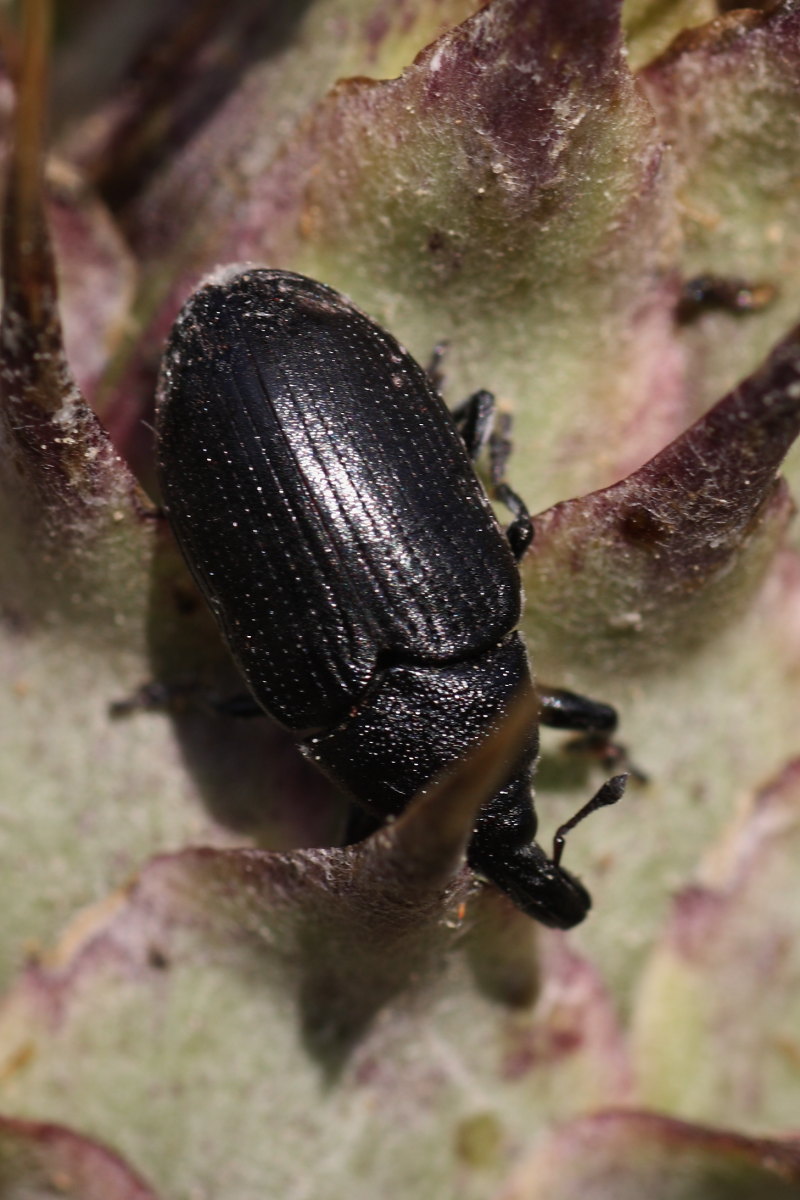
x=325 y=500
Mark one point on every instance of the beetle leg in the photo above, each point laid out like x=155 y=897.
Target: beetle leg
x=520 y=531
x=500 y=447
x=434 y=369
x=178 y=697
x=474 y=419
x=562 y=709
x=240 y=705
x=479 y=426
x=150 y=697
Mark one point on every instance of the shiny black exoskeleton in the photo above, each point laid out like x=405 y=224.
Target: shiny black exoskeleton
x=329 y=511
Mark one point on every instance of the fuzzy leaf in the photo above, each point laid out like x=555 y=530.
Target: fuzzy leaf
x=191 y=215
x=198 y=207
x=652 y=594
x=60 y=483
x=77 y=544
x=285 y=57
x=369 y=1021
x=628 y=1155
x=656 y=564
x=506 y=192
x=717 y=1016
x=40 y=1161
x=726 y=98
x=96 y=276
x=204 y=968
x=706 y=731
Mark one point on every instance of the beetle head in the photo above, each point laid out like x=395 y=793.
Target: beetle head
x=538 y=886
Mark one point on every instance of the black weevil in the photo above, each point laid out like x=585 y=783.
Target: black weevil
x=325 y=500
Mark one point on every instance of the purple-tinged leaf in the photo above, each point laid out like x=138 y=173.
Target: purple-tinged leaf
x=189 y=220
x=331 y=998
x=717 y=1019
x=61 y=485
x=190 y=213
x=174 y=69
x=38 y=1161
x=664 y=595
x=507 y=192
x=96 y=276
x=85 y=617
x=657 y=564
x=725 y=97
x=630 y=1155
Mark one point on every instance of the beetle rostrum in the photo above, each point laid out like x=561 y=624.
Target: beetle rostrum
x=328 y=508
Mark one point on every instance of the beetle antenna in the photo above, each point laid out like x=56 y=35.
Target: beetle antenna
x=609 y=793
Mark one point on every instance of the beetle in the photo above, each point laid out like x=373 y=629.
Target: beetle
x=326 y=502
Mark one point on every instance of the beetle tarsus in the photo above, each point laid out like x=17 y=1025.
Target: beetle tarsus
x=609 y=754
